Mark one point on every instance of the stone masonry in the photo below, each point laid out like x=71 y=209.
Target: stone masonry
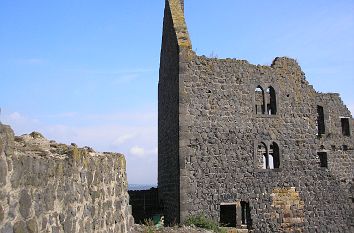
x=259 y=138
x=51 y=187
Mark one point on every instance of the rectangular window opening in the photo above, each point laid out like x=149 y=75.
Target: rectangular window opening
x=323 y=159
x=228 y=215
x=345 y=126
x=320 y=120
x=246 y=214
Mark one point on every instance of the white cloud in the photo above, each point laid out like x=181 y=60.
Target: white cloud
x=141 y=152
x=20 y=123
x=62 y=133
x=133 y=134
x=137 y=151
x=123 y=139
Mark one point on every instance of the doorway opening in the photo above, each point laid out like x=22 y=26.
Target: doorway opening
x=228 y=215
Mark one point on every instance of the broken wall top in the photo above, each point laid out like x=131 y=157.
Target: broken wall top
x=179 y=23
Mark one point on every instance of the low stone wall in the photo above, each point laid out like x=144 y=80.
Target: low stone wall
x=51 y=187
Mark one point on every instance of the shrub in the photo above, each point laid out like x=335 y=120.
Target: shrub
x=202 y=221
x=150 y=226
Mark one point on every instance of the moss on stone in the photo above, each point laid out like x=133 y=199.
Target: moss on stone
x=20 y=227
x=1 y=146
x=32 y=226
x=179 y=24
x=75 y=154
x=1 y=214
x=36 y=135
x=59 y=169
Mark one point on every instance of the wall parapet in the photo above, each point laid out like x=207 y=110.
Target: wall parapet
x=52 y=187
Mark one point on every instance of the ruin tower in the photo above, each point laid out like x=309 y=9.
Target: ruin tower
x=175 y=46
x=249 y=146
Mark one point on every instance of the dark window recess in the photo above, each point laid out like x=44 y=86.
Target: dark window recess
x=246 y=214
x=345 y=147
x=274 y=154
x=323 y=159
x=263 y=155
x=228 y=215
x=272 y=101
x=320 y=120
x=259 y=100
x=345 y=126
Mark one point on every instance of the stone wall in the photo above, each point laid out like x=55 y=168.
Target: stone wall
x=221 y=158
x=51 y=187
x=220 y=131
x=168 y=117
x=340 y=148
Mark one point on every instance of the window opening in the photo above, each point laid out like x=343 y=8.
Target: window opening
x=345 y=147
x=246 y=214
x=262 y=153
x=272 y=101
x=345 y=126
x=274 y=158
x=320 y=121
x=271 y=159
x=259 y=99
x=228 y=215
x=323 y=159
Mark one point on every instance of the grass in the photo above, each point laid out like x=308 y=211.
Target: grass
x=150 y=226
x=202 y=221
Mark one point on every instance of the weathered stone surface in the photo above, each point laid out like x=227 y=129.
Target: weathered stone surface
x=49 y=192
x=32 y=226
x=20 y=227
x=25 y=204
x=7 y=228
x=1 y=214
x=289 y=209
x=1 y=146
x=234 y=132
x=3 y=172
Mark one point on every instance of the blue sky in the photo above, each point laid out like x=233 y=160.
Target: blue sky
x=87 y=71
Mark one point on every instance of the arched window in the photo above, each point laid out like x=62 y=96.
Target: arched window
x=262 y=154
x=259 y=100
x=271 y=101
x=274 y=155
x=269 y=158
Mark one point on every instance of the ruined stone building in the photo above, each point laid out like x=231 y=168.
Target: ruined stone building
x=250 y=146
x=51 y=187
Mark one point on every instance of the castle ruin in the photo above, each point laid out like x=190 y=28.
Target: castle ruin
x=250 y=146
x=51 y=187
